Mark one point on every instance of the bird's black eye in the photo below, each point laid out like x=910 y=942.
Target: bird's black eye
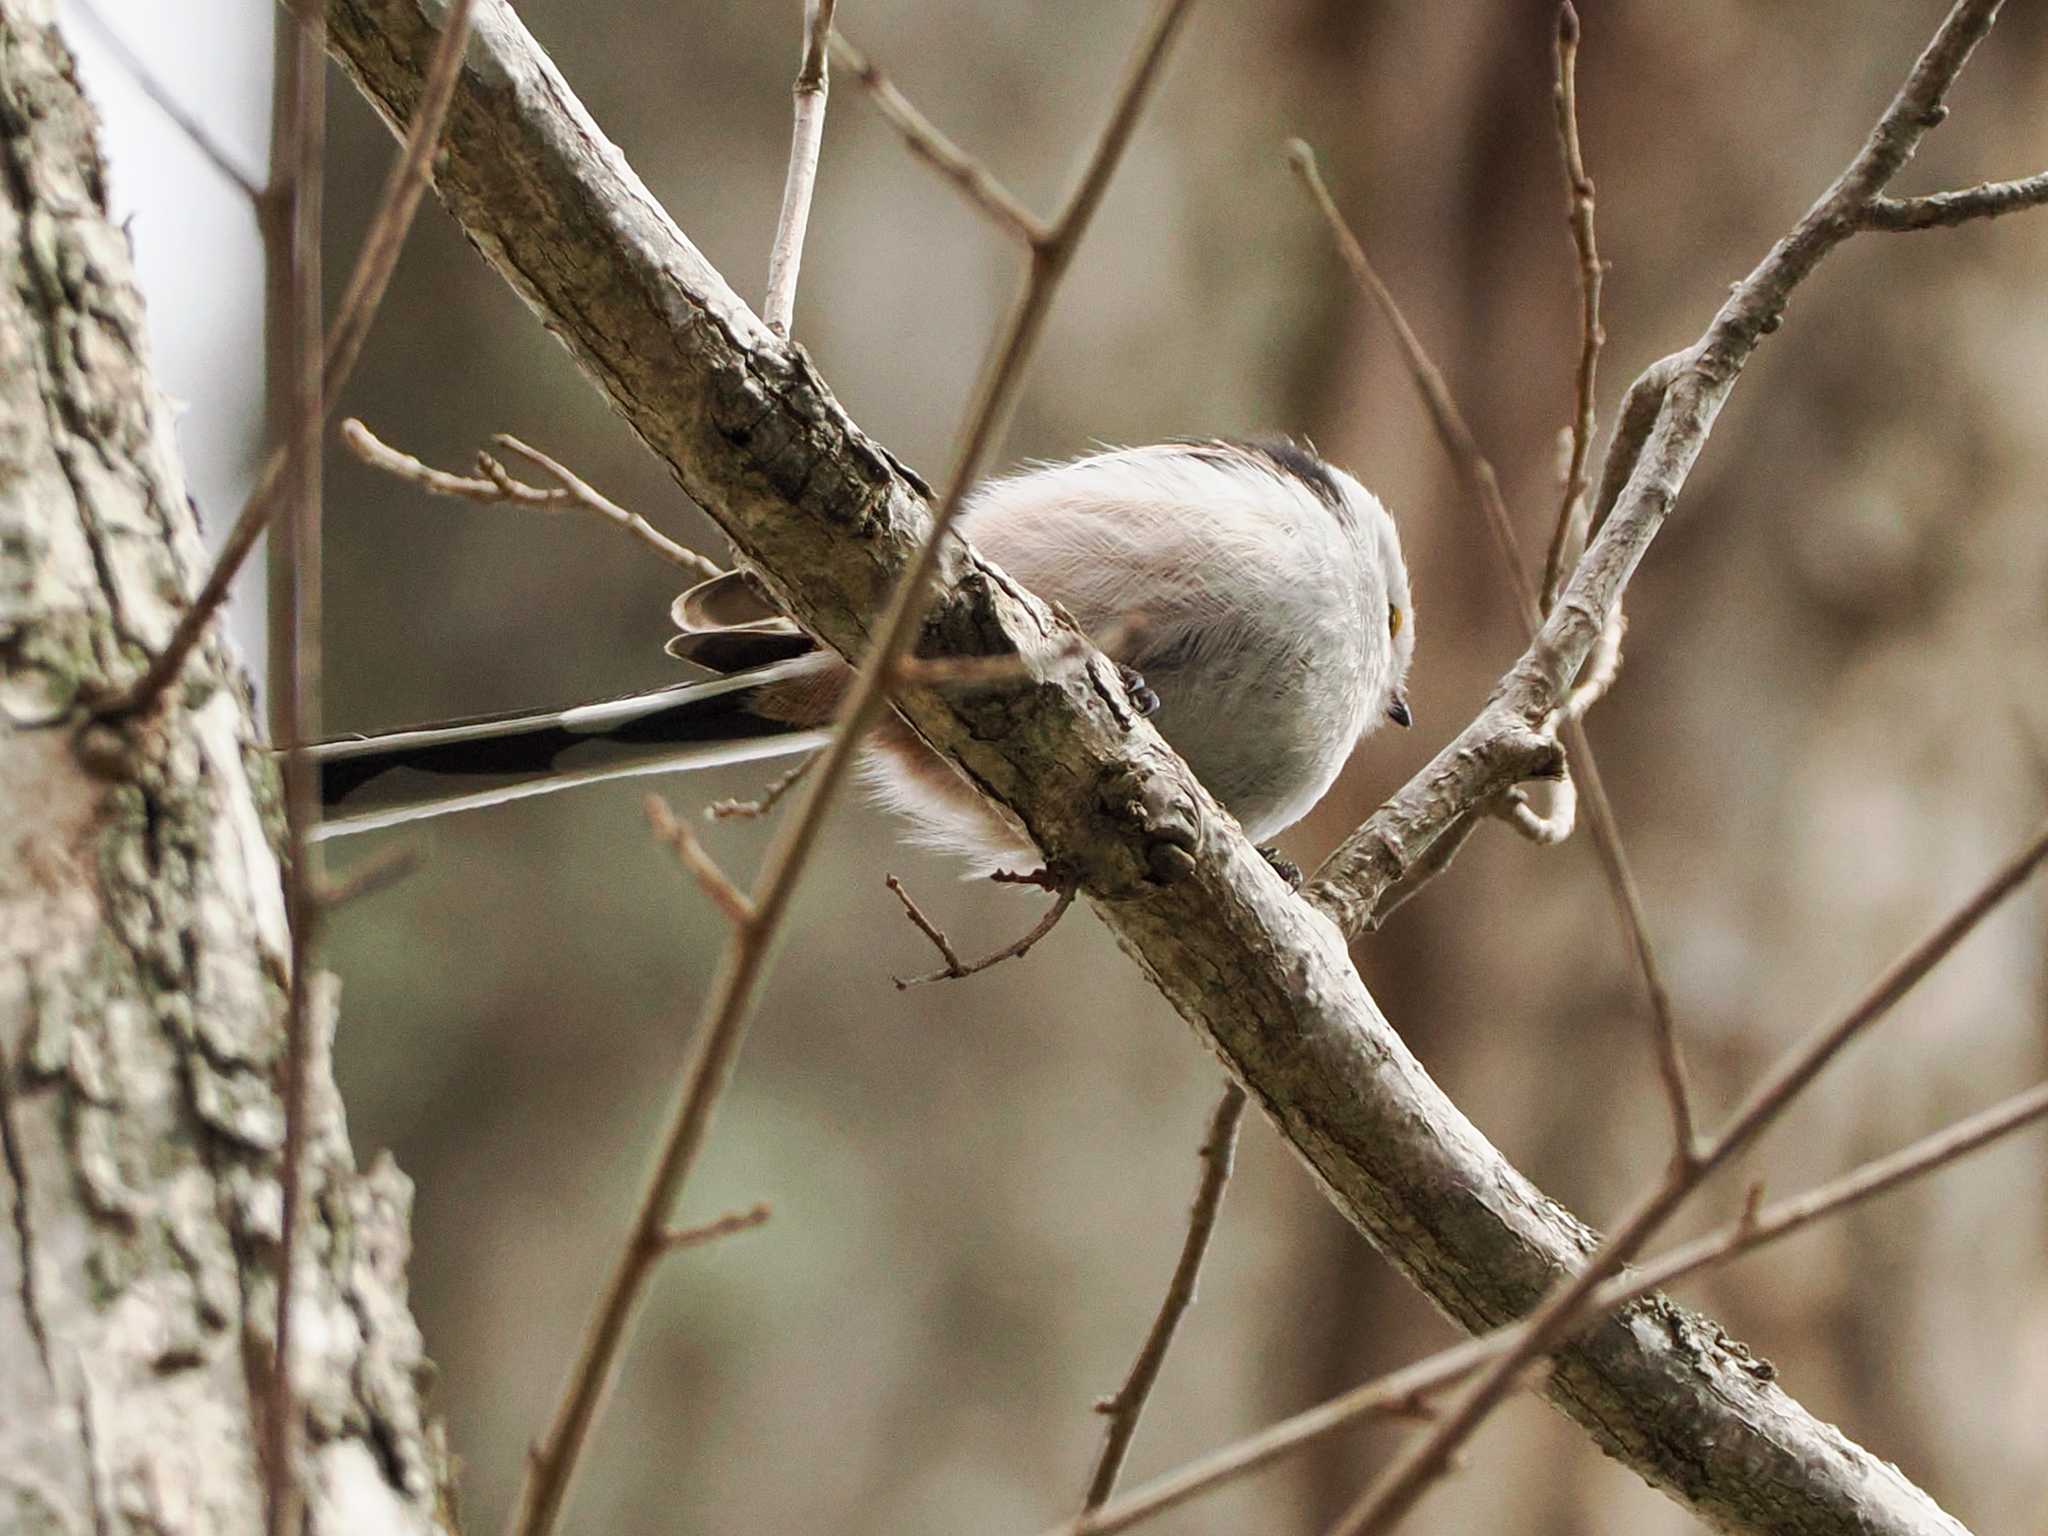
x=1393 y=621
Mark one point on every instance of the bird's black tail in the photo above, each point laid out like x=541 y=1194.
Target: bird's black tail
x=367 y=782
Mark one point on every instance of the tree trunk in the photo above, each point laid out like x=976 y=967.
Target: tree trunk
x=142 y=958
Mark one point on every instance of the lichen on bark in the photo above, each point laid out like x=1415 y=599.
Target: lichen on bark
x=142 y=947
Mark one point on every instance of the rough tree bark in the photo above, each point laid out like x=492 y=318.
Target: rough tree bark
x=142 y=958
x=754 y=435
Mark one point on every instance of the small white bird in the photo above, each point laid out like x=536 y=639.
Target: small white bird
x=1255 y=594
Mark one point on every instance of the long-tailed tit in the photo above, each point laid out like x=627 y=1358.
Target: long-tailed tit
x=1258 y=592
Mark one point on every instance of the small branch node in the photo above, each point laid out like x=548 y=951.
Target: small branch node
x=1044 y=879
x=763 y=803
x=509 y=489
x=675 y=1239
x=1415 y=1407
x=1747 y=1224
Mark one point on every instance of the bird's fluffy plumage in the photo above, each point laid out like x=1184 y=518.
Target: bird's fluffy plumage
x=1251 y=585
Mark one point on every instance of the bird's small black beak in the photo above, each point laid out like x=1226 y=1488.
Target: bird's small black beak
x=1398 y=712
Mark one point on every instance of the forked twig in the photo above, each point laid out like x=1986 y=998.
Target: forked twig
x=494 y=485
x=929 y=929
x=955 y=969
x=588 y=496
x=1683 y=391
x=715 y=1046
x=1219 y=1148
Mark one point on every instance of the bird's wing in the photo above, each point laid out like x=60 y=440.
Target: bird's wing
x=730 y=624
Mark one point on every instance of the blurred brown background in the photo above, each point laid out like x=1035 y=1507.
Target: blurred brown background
x=1830 y=724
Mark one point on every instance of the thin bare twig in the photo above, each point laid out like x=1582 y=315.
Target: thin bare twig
x=675 y=1239
x=1942 y=210
x=955 y=968
x=379 y=872
x=1402 y=1391
x=396 y=205
x=1396 y=1493
x=1569 y=540
x=293 y=201
x=1635 y=924
x=763 y=803
x=1219 y=1147
x=928 y=928
x=494 y=485
x=1473 y=467
x=583 y=494
x=1471 y=464
x=400 y=465
x=217 y=154
x=966 y=173
x=807 y=136
x=727 y=897
x=716 y=1045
